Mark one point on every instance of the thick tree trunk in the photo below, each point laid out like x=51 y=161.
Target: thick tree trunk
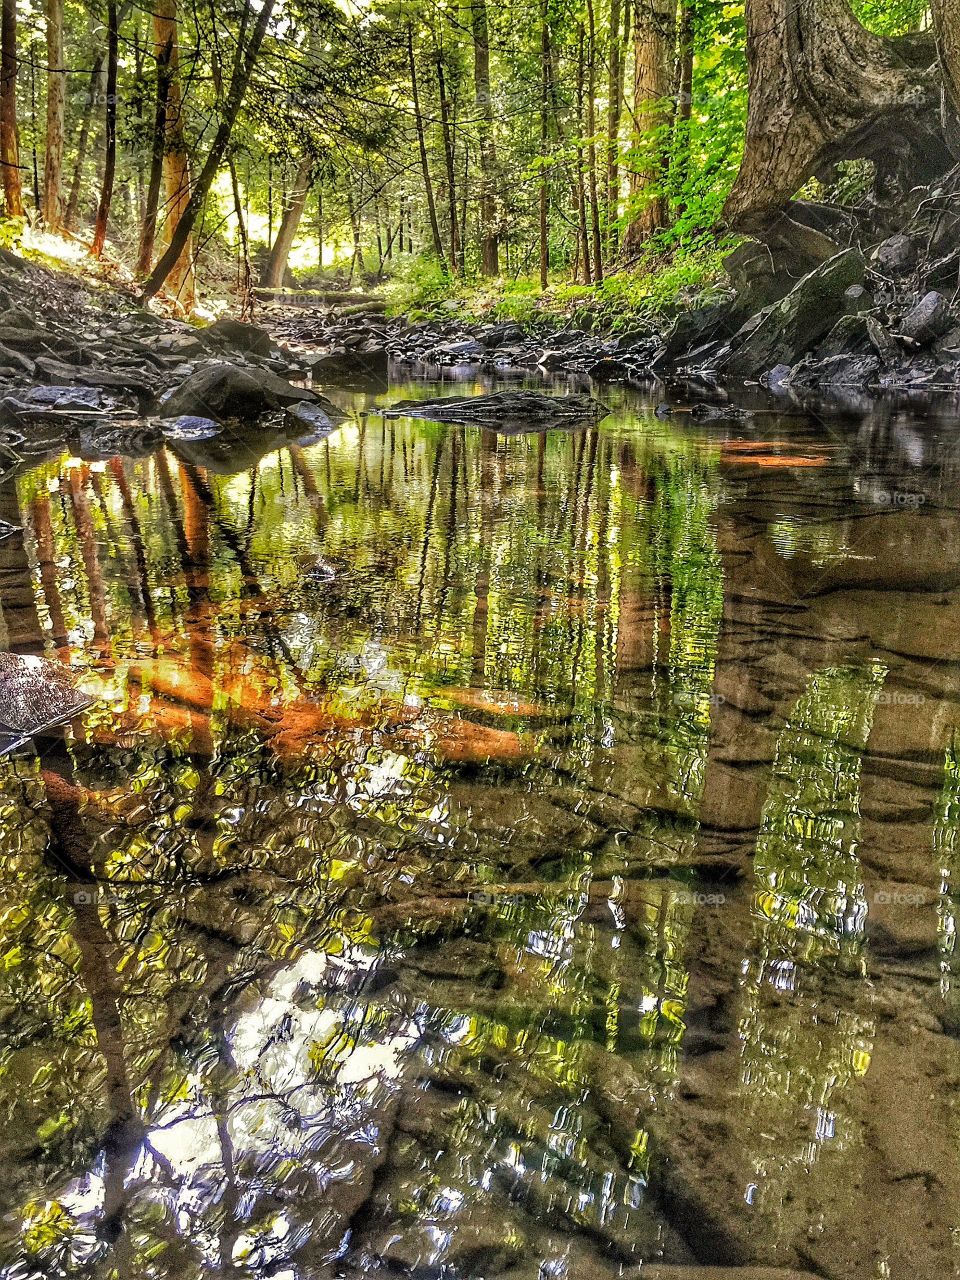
x=489 y=254
x=110 y=126
x=946 y=26
x=826 y=89
x=242 y=71
x=614 y=107
x=276 y=266
x=148 y=229
x=654 y=41
x=9 y=137
x=76 y=186
x=424 y=161
x=176 y=161
x=52 y=208
x=592 y=145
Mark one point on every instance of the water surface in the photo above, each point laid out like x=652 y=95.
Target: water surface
x=487 y=857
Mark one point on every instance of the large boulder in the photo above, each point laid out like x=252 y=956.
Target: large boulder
x=930 y=319
x=786 y=331
x=508 y=412
x=222 y=391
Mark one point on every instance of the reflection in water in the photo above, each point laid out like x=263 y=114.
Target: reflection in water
x=357 y=925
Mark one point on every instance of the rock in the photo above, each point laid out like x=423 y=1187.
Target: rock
x=104 y=439
x=786 y=331
x=501 y=335
x=222 y=391
x=896 y=256
x=703 y=412
x=467 y=349
x=930 y=319
x=190 y=427
x=608 y=370
x=506 y=411
x=699 y=326
x=856 y=300
x=778 y=379
x=242 y=337
x=35 y=695
x=320 y=417
x=881 y=341
x=366 y=363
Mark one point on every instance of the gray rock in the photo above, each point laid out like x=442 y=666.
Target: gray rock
x=190 y=427
x=778 y=379
x=896 y=256
x=319 y=417
x=222 y=391
x=242 y=337
x=786 y=331
x=930 y=319
x=366 y=363
x=466 y=349
x=508 y=412
x=35 y=694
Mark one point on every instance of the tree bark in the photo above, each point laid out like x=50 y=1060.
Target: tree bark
x=289 y=225
x=581 y=193
x=52 y=208
x=489 y=252
x=614 y=107
x=176 y=161
x=148 y=229
x=449 y=158
x=424 y=161
x=946 y=26
x=592 y=144
x=825 y=89
x=76 y=186
x=243 y=69
x=654 y=38
x=110 y=125
x=246 y=279
x=9 y=136
x=544 y=143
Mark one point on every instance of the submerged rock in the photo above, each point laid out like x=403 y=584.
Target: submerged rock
x=35 y=694
x=319 y=417
x=506 y=411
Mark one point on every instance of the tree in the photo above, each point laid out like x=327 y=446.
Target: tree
x=56 y=104
x=489 y=250
x=176 y=161
x=9 y=136
x=293 y=212
x=110 y=132
x=654 y=42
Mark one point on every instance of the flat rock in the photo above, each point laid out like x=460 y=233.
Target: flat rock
x=508 y=412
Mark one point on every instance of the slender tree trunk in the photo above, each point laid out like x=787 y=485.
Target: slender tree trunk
x=592 y=145
x=110 y=126
x=76 y=186
x=243 y=69
x=449 y=157
x=489 y=257
x=583 y=234
x=544 y=143
x=9 y=136
x=34 y=129
x=52 y=209
x=424 y=162
x=614 y=108
x=148 y=229
x=246 y=279
x=176 y=161
x=654 y=40
x=289 y=225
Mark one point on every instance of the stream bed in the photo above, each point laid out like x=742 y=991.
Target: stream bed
x=488 y=857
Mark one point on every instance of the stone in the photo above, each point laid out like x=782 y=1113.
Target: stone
x=35 y=694
x=248 y=338
x=367 y=363
x=506 y=411
x=930 y=319
x=896 y=256
x=466 y=349
x=320 y=417
x=786 y=331
x=190 y=427
x=220 y=391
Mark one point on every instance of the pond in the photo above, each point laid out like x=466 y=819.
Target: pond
x=499 y=857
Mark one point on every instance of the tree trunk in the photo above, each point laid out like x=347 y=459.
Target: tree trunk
x=148 y=229
x=52 y=209
x=826 y=89
x=9 y=137
x=424 y=162
x=449 y=157
x=76 y=186
x=544 y=143
x=614 y=107
x=176 y=162
x=654 y=39
x=276 y=266
x=592 y=144
x=583 y=234
x=242 y=71
x=246 y=277
x=946 y=26
x=110 y=125
x=489 y=256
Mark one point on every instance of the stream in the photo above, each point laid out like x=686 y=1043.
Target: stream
x=513 y=857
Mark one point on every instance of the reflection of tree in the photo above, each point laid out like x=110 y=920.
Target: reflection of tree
x=946 y=846
x=801 y=1052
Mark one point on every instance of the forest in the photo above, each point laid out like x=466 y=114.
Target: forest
x=206 y=149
